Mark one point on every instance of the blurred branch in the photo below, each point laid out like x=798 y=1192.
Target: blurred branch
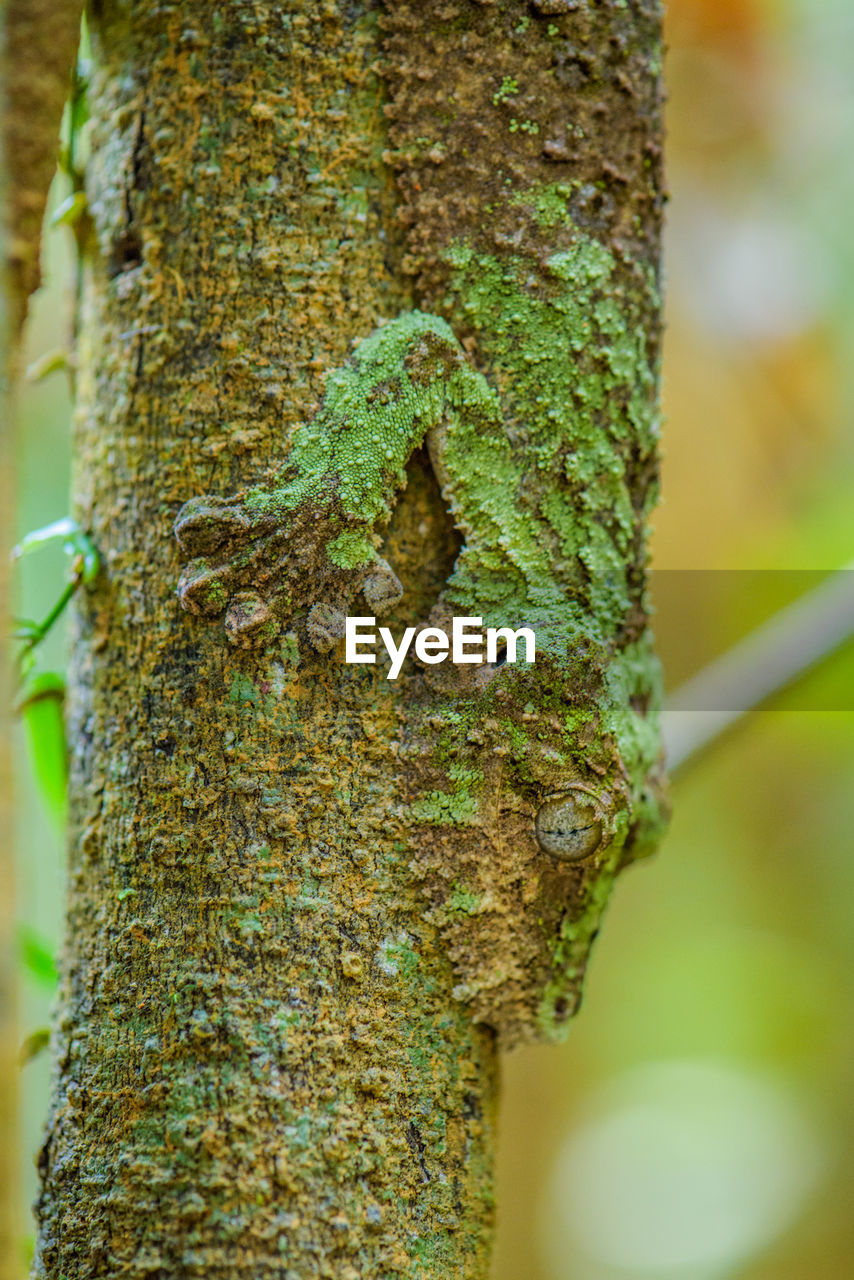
x=39 y=40
x=761 y=665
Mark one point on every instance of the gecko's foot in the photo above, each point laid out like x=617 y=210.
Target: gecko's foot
x=208 y=524
x=233 y=550
x=248 y=619
x=259 y=565
x=325 y=626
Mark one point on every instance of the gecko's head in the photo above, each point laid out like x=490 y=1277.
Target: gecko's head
x=555 y=780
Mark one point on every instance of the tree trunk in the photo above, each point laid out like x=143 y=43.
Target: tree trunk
x=307 y=903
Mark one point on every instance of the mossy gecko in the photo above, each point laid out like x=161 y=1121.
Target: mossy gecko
x=534 y=783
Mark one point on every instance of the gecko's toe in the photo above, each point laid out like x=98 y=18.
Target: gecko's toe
x=383 y=588
x=203 y=588
x=325 y=626
x=204 y=525
x=248 y=619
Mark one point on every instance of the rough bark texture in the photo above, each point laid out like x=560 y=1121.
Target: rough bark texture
x=305 y=901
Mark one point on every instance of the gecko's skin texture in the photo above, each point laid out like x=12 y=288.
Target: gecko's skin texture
x=531 y=785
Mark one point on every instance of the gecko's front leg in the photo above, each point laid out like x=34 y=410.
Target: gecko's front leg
x=261 y=565
x=305 y=542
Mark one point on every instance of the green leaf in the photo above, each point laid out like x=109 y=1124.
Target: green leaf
x=50 y=362
x=63 y=528
x=36 y=1042
x=78 y=102
x=41 y=709
x=26 y=629
x=70 y=211
x=75 y=543
x=37 y=957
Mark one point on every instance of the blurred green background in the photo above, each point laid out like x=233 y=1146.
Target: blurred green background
x=698 y=1124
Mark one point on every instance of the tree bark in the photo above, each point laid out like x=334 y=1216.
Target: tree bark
x=296 y=932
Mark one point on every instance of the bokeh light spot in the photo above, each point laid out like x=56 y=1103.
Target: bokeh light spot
x=684 y=1170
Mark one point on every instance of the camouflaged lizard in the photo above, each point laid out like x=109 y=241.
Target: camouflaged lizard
x=533 y=784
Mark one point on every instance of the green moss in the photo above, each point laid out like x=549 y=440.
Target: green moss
x=455 y=808
x=215 y=598
x=243 y=690
x=508 y=89
x=290 y=650
x=549 y=203
x=464 y=900
x=349 y=549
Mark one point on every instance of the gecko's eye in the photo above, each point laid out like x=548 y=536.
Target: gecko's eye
x=568 y=826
